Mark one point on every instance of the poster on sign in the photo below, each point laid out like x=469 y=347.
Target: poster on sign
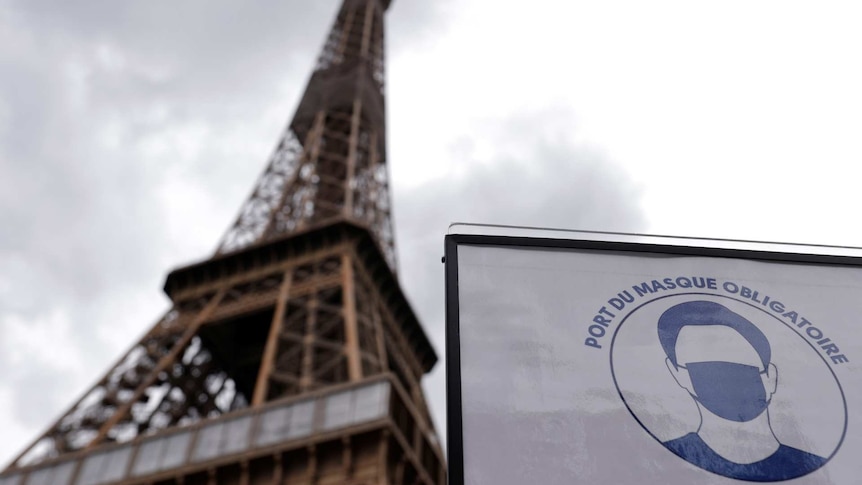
x=575 y=360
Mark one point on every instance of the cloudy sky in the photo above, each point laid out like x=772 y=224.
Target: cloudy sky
x=131 y=132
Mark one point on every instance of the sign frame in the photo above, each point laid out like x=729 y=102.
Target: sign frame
x=821 y=255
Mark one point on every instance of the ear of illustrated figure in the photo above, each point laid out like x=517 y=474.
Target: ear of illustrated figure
x=680 y=375
x=770 y=380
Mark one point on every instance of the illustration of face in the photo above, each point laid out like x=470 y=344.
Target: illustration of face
x=722 y=371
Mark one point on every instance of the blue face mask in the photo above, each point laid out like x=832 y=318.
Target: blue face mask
x=731 y=391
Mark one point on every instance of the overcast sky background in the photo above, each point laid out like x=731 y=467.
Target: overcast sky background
x=131 y=132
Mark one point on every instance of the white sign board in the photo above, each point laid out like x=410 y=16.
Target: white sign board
x=618 y=363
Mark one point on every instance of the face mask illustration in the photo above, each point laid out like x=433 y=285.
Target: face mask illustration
x=732 y=391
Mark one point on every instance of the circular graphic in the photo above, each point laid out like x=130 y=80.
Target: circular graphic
x=728 y=387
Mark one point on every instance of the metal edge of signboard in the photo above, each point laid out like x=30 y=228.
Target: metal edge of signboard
x=454 y=429
x=454 y=420
x=641 y=247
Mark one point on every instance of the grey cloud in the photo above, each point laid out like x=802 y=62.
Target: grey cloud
x=556 y=183
x=536 y=177
x=417 y=20
x=62 y=181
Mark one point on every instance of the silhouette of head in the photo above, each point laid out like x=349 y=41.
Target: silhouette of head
x=719 y=357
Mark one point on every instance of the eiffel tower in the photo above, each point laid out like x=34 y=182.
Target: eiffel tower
x=291 y=356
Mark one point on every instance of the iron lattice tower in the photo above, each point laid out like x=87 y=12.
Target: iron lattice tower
x=291 y=356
